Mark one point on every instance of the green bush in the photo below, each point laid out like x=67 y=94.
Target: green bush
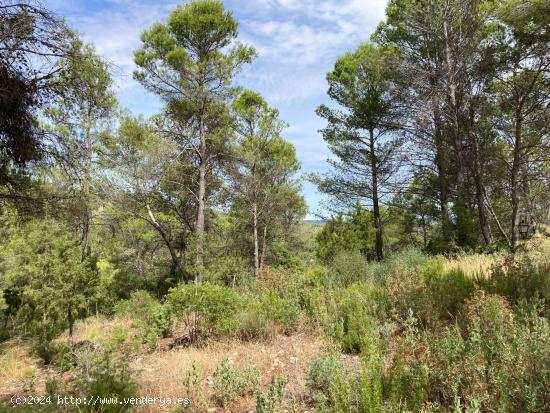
x=216 y=305
x=447 y=293
x=231 y=383
x=50 y=286
x=254 y=324
x=353 y=314
x=335 y=388
x=272 y=402
x=419 y=283
x=194 y=390
x=519 y=278
x=145 y=311
x=322 y=373
x=102 y=374
x=284 y=311
x=410 y=261
x=495 y=361
x=347 y=267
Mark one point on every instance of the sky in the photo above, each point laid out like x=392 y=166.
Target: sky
x=297 y=42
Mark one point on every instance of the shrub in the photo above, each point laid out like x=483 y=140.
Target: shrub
x=347 y=267
x=216 y=306
x=254 y=324
x=336 y=388
x=230 y=383
x=447 y=293
x=519 y=278
x=403 y=276
x=314 y=302
x=353 y=314
x=409 y=261
x=284 y=311
x=49 y=284
x=272 y=402
x=101 y=374
x=495 y=361
x=418 y=283
x=322 y=373
x=193 y=390
x=146 y=314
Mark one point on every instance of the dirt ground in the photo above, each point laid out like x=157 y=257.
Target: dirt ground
x=161 y=373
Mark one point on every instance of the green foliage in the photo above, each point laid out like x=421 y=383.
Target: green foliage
x=193 y=389
x=355 y=234
x=191 y=42
x=353 y=315
x=254 y=323
x=448 y=292
x=284 y=311
x=272 y=402
x=266 y=198
x=104 y=374
x=230 y=383
x=465 y=229
x=498 y=360
x=49 y=284
x=217 y=305
x=519 y=279
x=321 y=373
x=147 y=315
x=347 y=268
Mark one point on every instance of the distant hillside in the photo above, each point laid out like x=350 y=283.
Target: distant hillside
x=315 y=221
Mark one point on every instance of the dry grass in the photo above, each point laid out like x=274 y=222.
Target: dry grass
x=96 y=328
x=537 y=249
x=18 y=367
x=162 y=373
x=474 y=264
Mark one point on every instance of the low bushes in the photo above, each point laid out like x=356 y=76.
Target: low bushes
x=254 y=324
x=216 y=307
x=491 y=360
x=103 y=374
x=519 y=279
x=272 y=401
x=353 y=315
x=347 y=267
x=495 y=361
x=146 y=315
x=231 y=383
x=454 y=343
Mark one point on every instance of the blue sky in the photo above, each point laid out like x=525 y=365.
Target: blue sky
x=297 y=42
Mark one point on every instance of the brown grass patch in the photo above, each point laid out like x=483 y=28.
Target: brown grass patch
x=162 y=373
x=474 y=264
x=18 y=367
x=95 y=328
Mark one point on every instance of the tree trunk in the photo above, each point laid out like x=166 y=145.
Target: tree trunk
x=441 y=172
x=264 y=248
x=199 y=226
x=494 y=215
x=256 y=240
x=375 y=200
x=85 y=197
x=514 y=179
x=480 y=194
x=454 y=113
x=176 y=260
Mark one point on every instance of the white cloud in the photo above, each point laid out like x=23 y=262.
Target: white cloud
x=298 y=42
